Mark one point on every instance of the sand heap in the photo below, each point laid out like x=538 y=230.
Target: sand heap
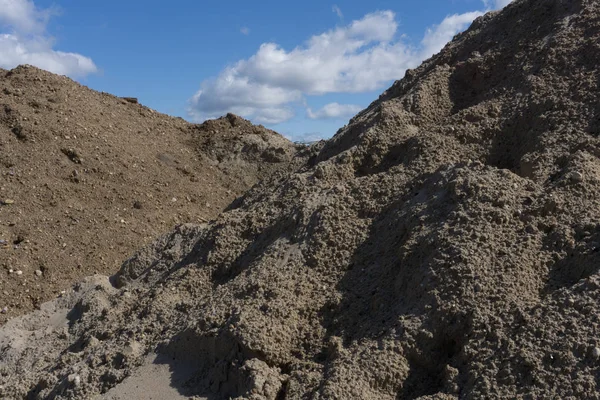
x=90 y=178
x=444 y=245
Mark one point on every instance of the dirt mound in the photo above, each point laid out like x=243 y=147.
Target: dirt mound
x=88 y=178
x=443 y=245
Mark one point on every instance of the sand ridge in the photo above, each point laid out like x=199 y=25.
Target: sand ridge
x=88 y=178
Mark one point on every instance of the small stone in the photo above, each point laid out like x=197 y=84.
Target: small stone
x=19 y=272
x=75 y=379
x=38 y=272
x=64 y=333
x=131 y=349
x=319 y=172
x=7 y=202
x=570 y=302
x=576 y=176
x=4 y=310
x=550 y=206
x=132 y=100
x=596 y=352
x=122 y=221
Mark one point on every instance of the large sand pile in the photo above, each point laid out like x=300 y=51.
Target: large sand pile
x=444 y=245
x=91 y=178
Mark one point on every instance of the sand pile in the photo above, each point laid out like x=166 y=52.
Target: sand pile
x=88 y=178
x=444 y=245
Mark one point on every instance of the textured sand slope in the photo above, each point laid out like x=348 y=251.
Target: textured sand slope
x=92 y=177
x=443 y=245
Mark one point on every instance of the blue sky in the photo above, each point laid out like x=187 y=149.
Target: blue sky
x=301 y=68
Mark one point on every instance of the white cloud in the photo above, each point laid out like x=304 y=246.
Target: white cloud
x=23 y=16
x=25 y=41
x=496 y=4
x=245 y=30
x=333 y=110
x=231 y=92
x=337 y=11
x=362 y=56
x=274 y=115
x=436 y=37
x=308 y=137
x=15 y=51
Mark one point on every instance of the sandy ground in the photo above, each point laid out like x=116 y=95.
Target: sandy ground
x=88 y=178
x=153 y=380
x=445 y=244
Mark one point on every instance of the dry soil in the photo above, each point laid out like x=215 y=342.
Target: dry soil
x=443 y=245
x=87 y=178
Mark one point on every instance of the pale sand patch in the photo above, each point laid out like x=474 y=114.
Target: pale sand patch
x=152 y=381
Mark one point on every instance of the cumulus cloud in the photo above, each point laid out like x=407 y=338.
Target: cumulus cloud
x=337 y=11
x=307 y=137
x=496 y=4
x=231 y=92
x=23 y=16
x=362 y=56
x=25 y=41
x=14 y=51
x=333 y=110
x=436 y=37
